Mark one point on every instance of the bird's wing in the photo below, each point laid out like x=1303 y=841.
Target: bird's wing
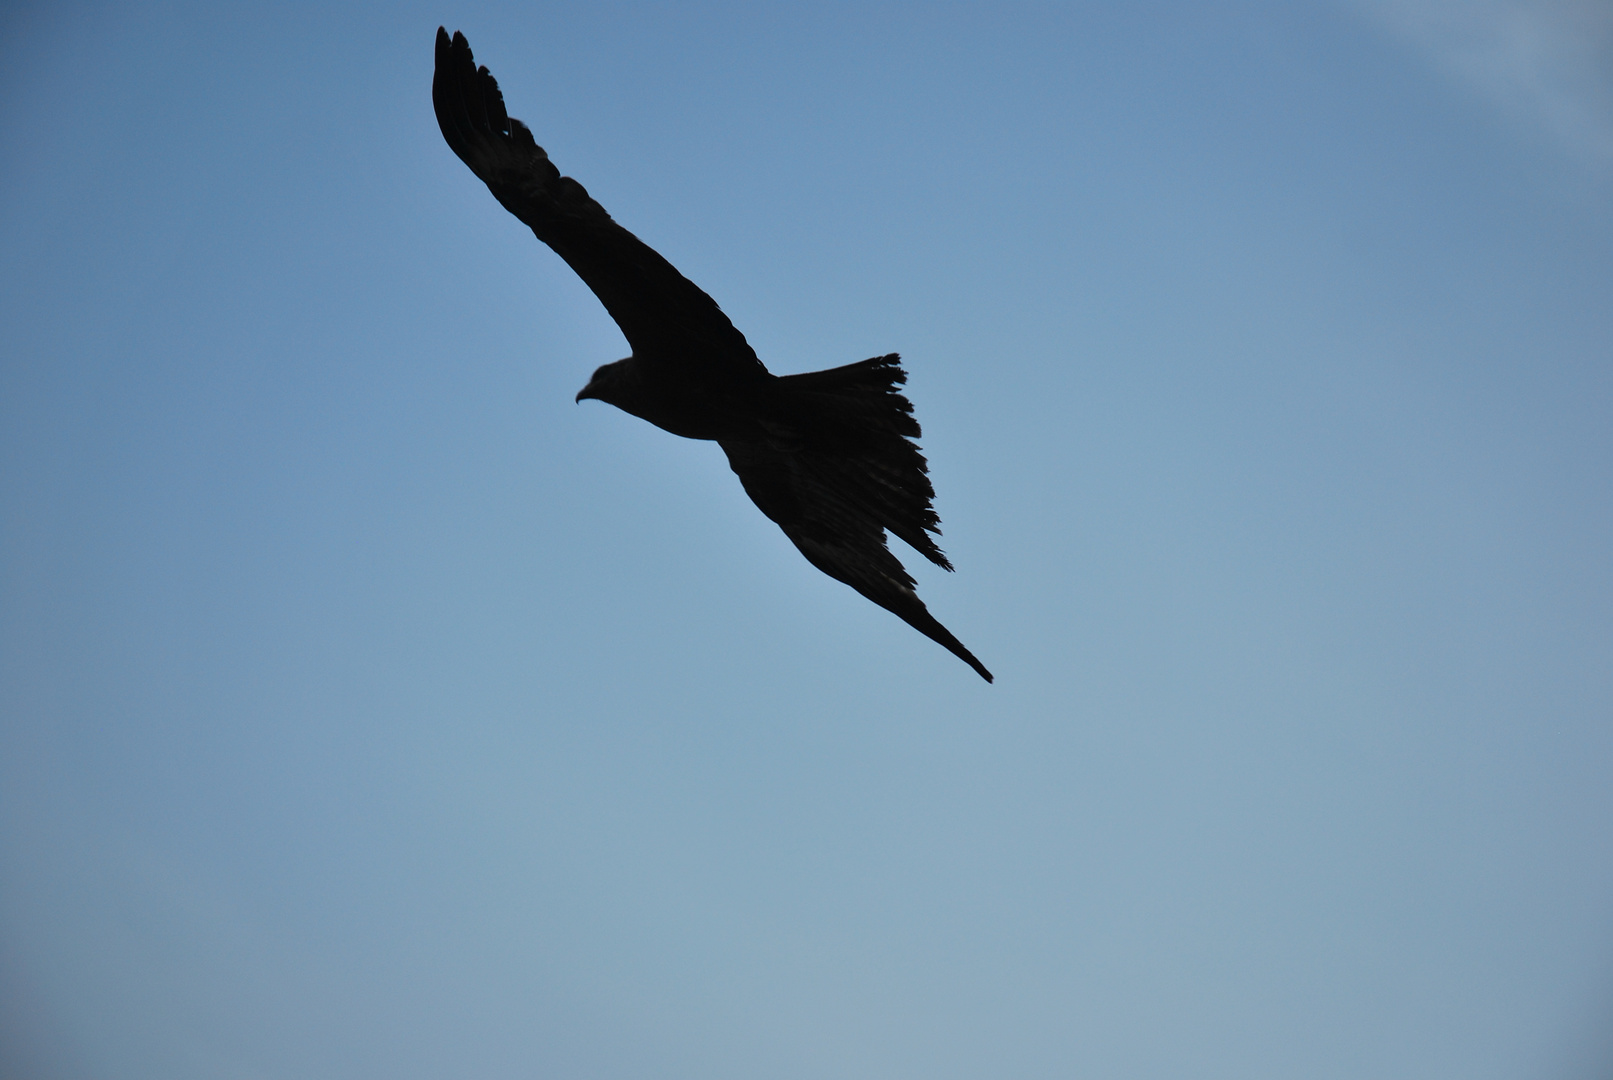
x=663 y=314
x=838 y=536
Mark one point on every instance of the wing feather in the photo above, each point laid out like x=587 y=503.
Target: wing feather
x=665 y=317
x=836 y=533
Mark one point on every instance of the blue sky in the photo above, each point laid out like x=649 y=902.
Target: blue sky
x=370 y=708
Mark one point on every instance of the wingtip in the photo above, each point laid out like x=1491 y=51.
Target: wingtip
x=927 y=624
x=980 y=669
x=447 y=46
x=932 y=629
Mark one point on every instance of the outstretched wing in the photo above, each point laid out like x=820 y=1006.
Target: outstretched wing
x=836 y=533
x=664 y=315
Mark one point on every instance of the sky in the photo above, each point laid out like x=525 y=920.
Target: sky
x=370 y=708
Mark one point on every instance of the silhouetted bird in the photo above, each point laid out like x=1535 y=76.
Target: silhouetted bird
x=826 y=455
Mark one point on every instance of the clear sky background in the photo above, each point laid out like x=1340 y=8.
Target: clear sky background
x=371 y=709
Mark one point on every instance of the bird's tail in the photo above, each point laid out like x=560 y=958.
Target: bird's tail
x=858 y=436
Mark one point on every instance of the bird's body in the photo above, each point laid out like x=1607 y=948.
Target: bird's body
x=692 y=408
x=826 y=455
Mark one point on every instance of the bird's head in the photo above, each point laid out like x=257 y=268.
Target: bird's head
x=609 y=384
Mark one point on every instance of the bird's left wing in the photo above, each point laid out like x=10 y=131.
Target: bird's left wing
x=799 y=493
x=663 y=314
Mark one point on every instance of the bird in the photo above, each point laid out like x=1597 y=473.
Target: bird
x=828 y=456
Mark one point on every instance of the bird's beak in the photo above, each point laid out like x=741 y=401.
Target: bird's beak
x=587 y=392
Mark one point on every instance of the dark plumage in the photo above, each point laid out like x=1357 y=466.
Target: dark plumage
x=826 y=455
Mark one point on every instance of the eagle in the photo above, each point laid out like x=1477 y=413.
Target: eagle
x=828 y=456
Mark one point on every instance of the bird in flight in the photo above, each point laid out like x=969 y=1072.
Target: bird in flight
x=828 y=456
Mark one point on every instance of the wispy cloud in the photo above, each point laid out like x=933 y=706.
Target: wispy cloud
x=1546 y=62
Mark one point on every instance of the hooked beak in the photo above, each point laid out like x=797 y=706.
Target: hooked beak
x=587 y=392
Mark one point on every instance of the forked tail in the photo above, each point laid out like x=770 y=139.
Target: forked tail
x=860 y=427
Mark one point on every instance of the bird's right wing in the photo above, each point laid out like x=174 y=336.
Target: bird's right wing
x=663 y=314
x=837 y=534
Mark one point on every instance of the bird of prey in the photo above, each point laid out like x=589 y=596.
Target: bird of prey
x=827 y=455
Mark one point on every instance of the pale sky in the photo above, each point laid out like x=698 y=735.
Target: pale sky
x=1548 y=64
x=368 y=708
